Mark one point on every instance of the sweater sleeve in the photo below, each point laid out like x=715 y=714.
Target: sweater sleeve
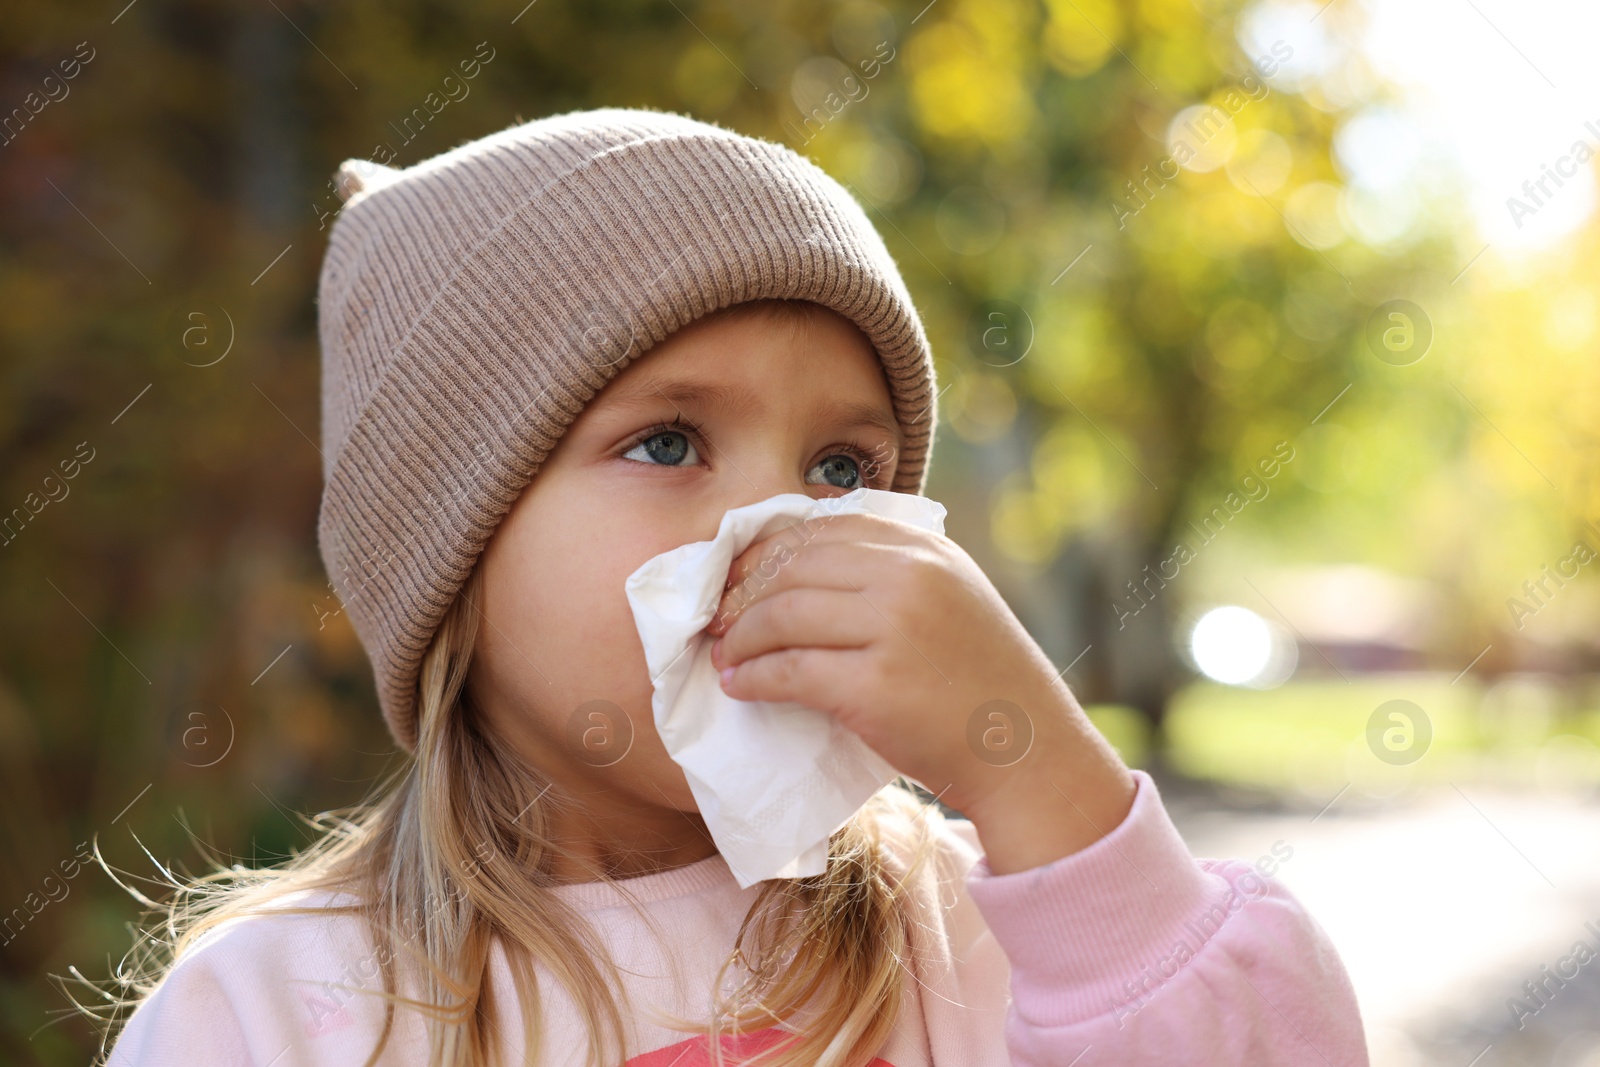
x=265 y=990
x=189 y=1019
x=1133 y=952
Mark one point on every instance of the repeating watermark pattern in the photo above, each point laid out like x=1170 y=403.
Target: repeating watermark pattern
x=454 y=89
x=850 y=90
x=451 y=90
x=603 y=332
x=599 y=733
x=55 y=890
x=55 y=490
x=201 y=745
x=366 y=570
x=1541 y=990
x=1566 y=569
x=1144 y=591
x=195 y=332
x=325 y=613
x=1206 y=122
x=738 y=596
x=1248 y=887
x=51 y=90
x=327 y=1010
x=1000 y=333
x=999 y=732
x=1565 y=167
x=369 y=567
x=1399 y=732
x=599 y=329
x=1399 y=332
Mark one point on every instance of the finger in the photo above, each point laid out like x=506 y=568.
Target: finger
x=804 y=617
x=818 y=678
x=822 y=529
x=848 y=565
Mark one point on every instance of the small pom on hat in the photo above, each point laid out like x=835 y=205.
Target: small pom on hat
x=361 y=175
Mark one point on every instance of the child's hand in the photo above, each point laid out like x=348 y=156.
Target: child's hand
x=896 y=633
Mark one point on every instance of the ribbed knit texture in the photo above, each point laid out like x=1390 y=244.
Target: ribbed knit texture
x=471 y=305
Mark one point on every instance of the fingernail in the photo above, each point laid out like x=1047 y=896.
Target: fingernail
x=727 y=677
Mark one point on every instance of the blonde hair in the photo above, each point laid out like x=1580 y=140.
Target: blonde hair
x=450 y=854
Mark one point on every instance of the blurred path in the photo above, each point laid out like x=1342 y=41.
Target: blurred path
x=1441 y=904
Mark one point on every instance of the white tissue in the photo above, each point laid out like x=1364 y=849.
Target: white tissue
x=773 y=781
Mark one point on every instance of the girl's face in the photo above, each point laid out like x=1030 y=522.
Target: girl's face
x=725 y=412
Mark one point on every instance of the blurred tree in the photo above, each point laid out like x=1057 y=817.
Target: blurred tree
x=1128 y=241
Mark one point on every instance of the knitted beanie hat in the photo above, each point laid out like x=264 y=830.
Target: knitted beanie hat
x=471 y=305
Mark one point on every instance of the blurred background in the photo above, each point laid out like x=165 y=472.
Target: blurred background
x=1267 y=335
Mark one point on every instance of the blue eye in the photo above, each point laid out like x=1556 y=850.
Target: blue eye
x=841 y=470
x=663 y=446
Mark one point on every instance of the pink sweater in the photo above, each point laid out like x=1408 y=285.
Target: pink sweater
x=1129 y=952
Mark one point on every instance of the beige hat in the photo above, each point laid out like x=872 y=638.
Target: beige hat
x=471 y=305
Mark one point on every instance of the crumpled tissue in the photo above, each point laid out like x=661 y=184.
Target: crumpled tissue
x=772 y=780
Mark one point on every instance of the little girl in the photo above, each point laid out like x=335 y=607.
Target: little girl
x=549 y=356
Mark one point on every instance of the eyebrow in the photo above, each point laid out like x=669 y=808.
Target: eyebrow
x=718 y=398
